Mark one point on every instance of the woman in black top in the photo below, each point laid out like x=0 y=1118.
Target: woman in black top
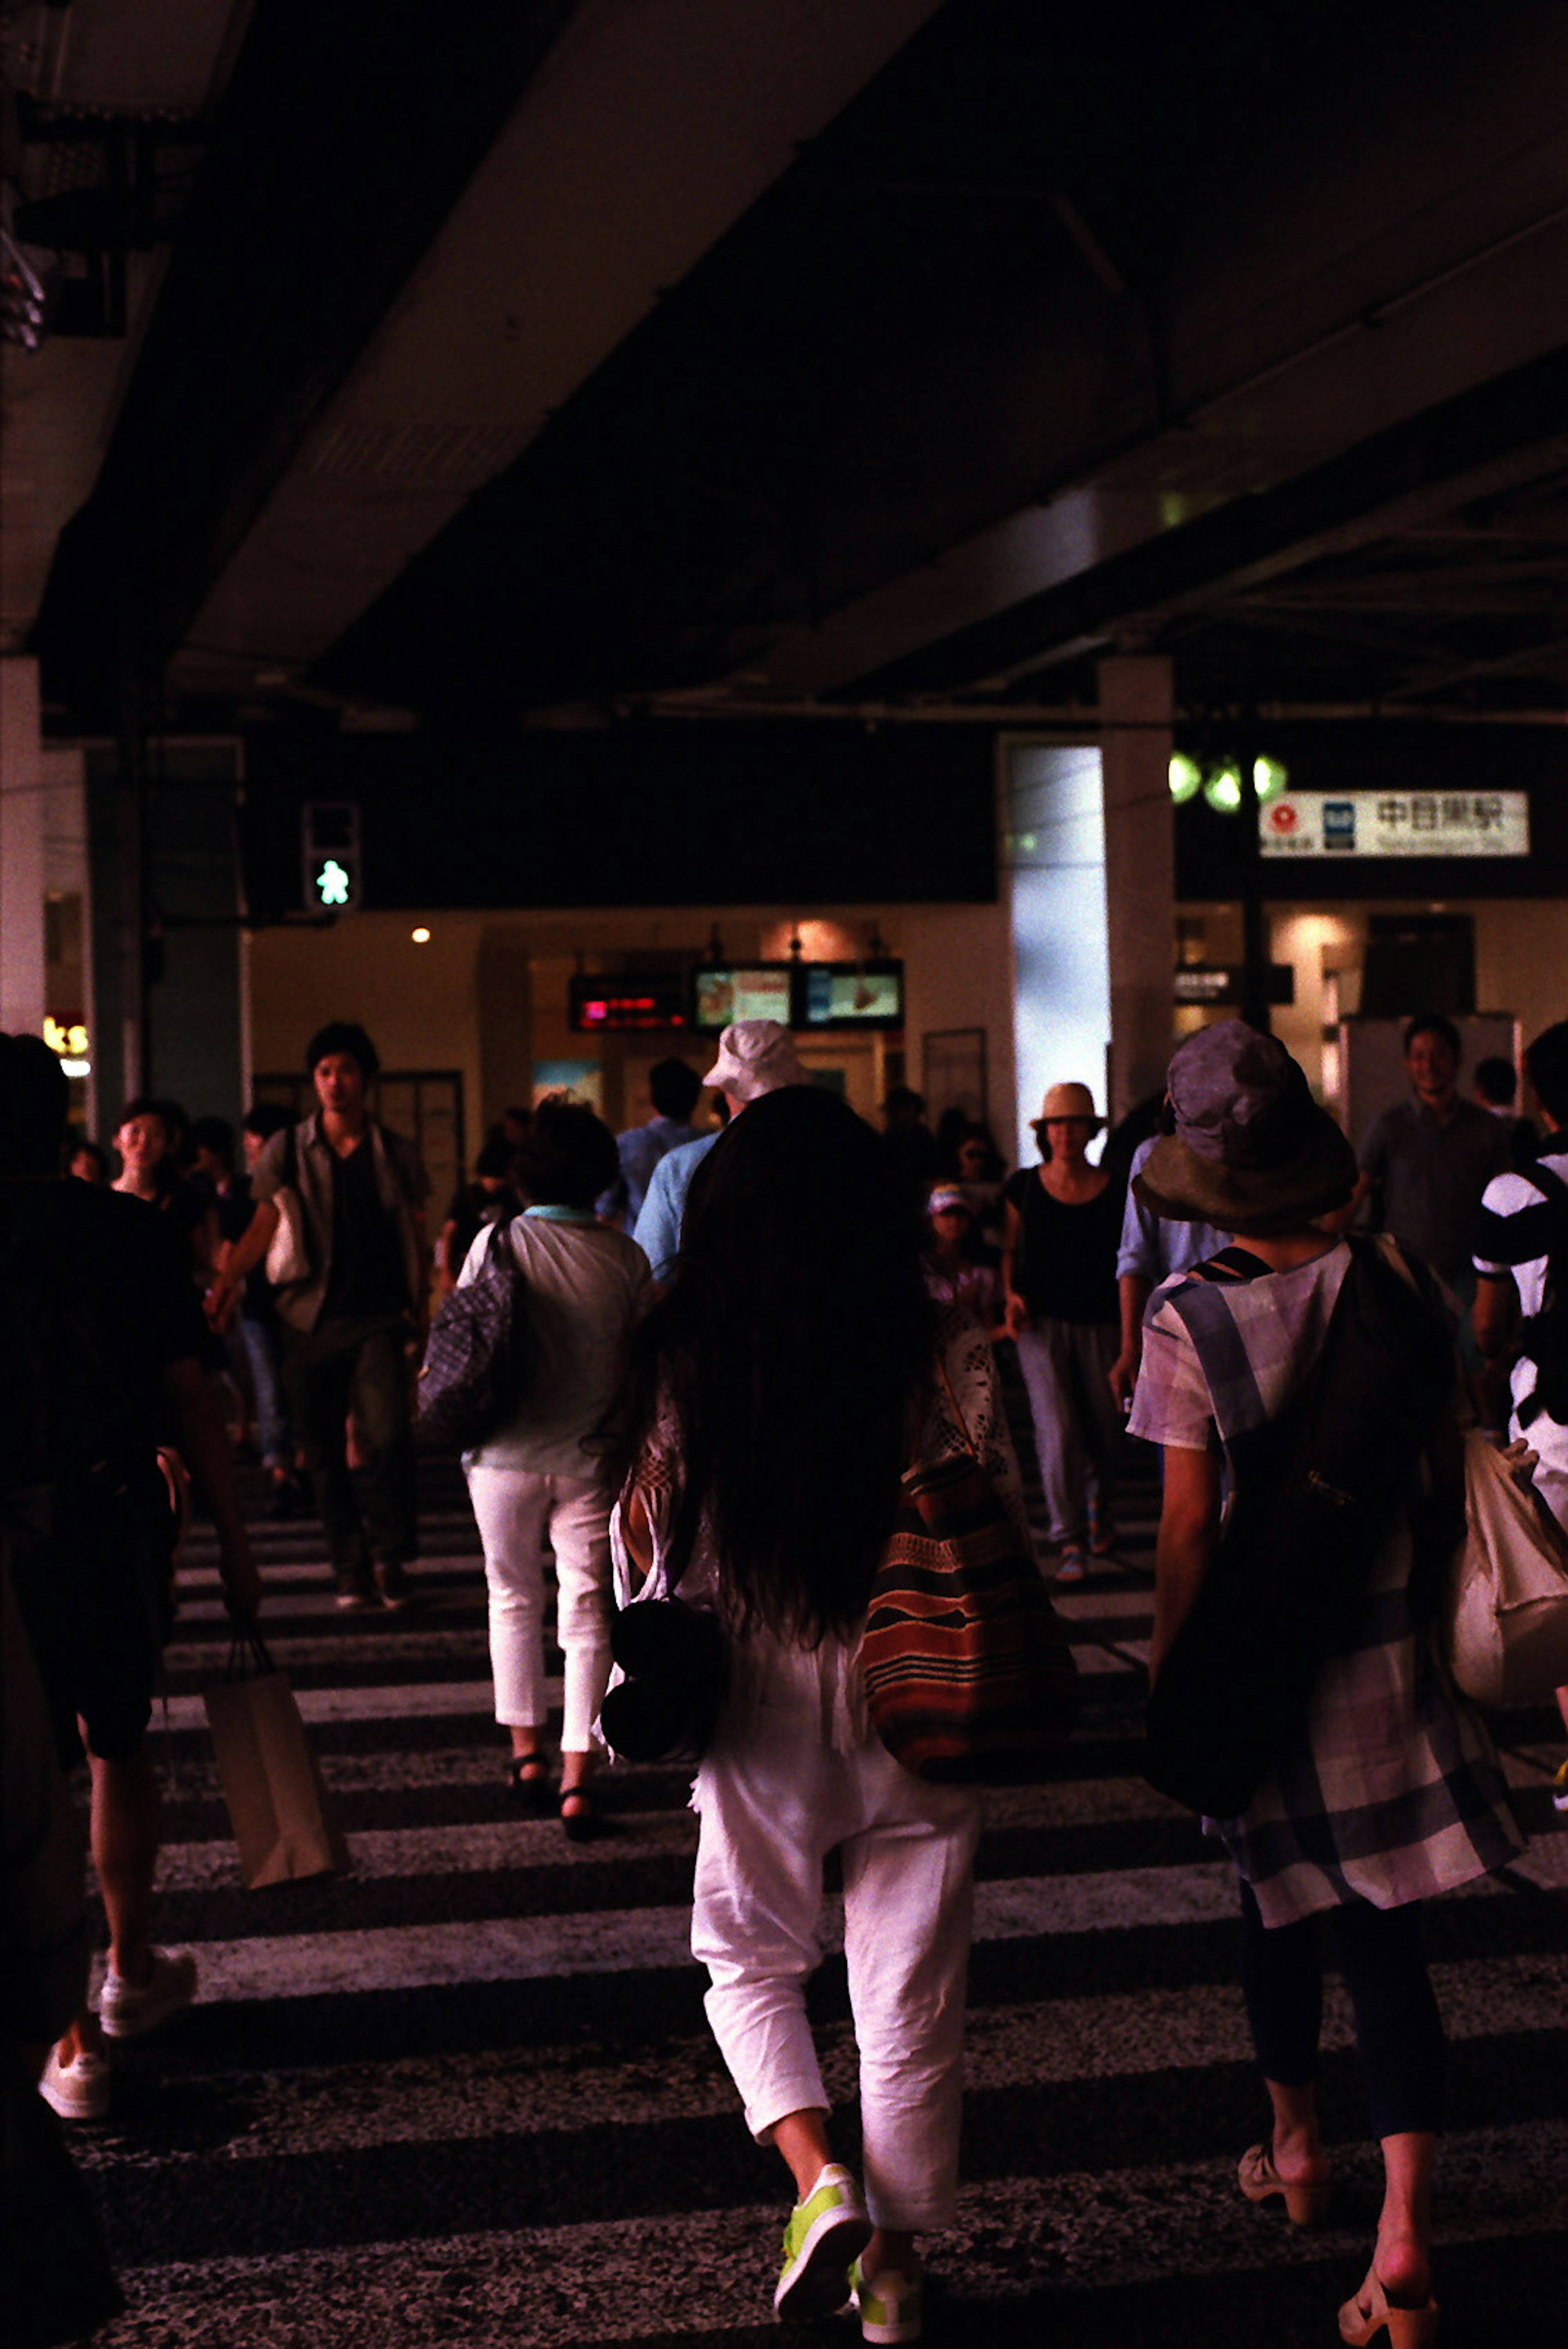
x=1059 y=1271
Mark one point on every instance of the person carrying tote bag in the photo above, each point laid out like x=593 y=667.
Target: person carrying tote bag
x=772 y=1391
x=538 y=1475
x=1387 y=1789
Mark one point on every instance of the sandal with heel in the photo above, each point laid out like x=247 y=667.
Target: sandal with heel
x=528 y=1775
x=1410 y=2326
x=1305 y=2205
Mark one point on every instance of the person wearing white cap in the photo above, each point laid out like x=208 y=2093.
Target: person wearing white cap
x=756 y=1057
x=1059 y=1273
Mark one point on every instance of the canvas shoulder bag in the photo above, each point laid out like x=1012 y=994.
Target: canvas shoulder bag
x=287 y=1260
x=1505 y=1619
x=969 y=1677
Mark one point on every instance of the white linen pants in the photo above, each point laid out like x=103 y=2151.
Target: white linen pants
x=774 y=1797
x=516 y=1511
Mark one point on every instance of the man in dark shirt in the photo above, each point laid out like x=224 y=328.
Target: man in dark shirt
x=352 y=1316
x=1427 y=1160
x=101 y=1342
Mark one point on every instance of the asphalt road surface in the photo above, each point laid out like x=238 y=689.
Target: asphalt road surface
x=465 y=2095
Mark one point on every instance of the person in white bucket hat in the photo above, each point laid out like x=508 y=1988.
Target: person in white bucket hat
x=754 y=1057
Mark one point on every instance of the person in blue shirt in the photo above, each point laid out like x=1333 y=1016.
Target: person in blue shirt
x=756 y=1057
x=673 y=1086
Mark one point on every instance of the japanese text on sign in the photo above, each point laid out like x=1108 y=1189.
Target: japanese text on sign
x=1396 y=824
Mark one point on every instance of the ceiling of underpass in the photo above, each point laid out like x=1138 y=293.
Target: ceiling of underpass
x=535 y=359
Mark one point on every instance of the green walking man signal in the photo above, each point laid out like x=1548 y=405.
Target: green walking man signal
x=330 y=844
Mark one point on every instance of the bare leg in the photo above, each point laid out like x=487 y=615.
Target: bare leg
x=1403 y=2259
x=890 y=2254
x=802 y=2138
x=127 y=1806
x=576 y=1769
x=1298 y=2153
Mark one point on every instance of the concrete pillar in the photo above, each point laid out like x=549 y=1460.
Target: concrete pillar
x=1054 y=860
x=22 y=851
x=1140 y=870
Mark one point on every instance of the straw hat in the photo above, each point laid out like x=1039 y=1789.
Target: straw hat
x=1252 y=1153
x=1068 y=1101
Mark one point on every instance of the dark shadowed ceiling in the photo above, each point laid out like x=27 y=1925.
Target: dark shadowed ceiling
x=529 y=361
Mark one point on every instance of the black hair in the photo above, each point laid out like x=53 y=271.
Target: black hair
x=216 y=1135
x=495 y=1158
x=1546 y=1066
x=1433 y=1023
x=265 y=1119
x=77 y=1145
x=792 y=1351
x=982 y=1137
x=569 y=1156
x=1496 y=1081
x=673 y=1087
x=35 y=1097
x=146 y=1105
x=343 y=1036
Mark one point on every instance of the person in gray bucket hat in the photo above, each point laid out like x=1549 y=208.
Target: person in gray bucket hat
x=1380 y=1786
x=1251 y=1152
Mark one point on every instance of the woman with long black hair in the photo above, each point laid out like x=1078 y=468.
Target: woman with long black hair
x=778 y=1390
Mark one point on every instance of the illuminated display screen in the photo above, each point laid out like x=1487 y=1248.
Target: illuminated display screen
x=629 y=1000
x=853 y=995
x=759 y=990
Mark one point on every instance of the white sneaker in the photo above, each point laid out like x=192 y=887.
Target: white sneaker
x=891 y=2307
x=78 y=2091
x=128 y=2009
x=827 y=2230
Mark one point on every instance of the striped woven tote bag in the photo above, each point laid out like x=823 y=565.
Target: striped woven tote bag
x=969 y=1677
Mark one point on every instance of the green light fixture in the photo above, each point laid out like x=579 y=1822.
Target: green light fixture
x=1270 y=777
x=1224 y=790
x=1186 y=778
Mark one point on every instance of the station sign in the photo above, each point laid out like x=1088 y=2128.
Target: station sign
x=1396 y=824
x=1208 y=982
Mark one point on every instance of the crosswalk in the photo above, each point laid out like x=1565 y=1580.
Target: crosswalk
x=467 y=2096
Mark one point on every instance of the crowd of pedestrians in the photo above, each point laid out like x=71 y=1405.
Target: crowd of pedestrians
x=737 y=1338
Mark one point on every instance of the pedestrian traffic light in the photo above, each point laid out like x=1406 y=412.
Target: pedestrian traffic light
x=329 y=841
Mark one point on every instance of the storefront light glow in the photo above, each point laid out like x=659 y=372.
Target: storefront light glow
x=1270 y=777
x=1223 y=789
x=1186 y=778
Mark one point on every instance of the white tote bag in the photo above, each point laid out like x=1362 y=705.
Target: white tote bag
x=1506 y=1615
x=287 y=1259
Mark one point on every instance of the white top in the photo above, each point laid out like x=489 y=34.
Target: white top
x=587 y=1288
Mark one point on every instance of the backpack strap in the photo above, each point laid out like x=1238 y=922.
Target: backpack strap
x=1230 y=1265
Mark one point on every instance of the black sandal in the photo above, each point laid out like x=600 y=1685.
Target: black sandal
x=578 y=1827
x=528 y=1776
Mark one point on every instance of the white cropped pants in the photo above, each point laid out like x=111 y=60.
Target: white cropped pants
x=774 y=1797
x=516 y=1512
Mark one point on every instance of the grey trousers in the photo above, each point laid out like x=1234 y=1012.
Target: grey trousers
x=1066 y=1368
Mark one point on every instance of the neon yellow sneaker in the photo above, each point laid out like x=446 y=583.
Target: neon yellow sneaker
x=889 y=2305
x=826 y=2232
